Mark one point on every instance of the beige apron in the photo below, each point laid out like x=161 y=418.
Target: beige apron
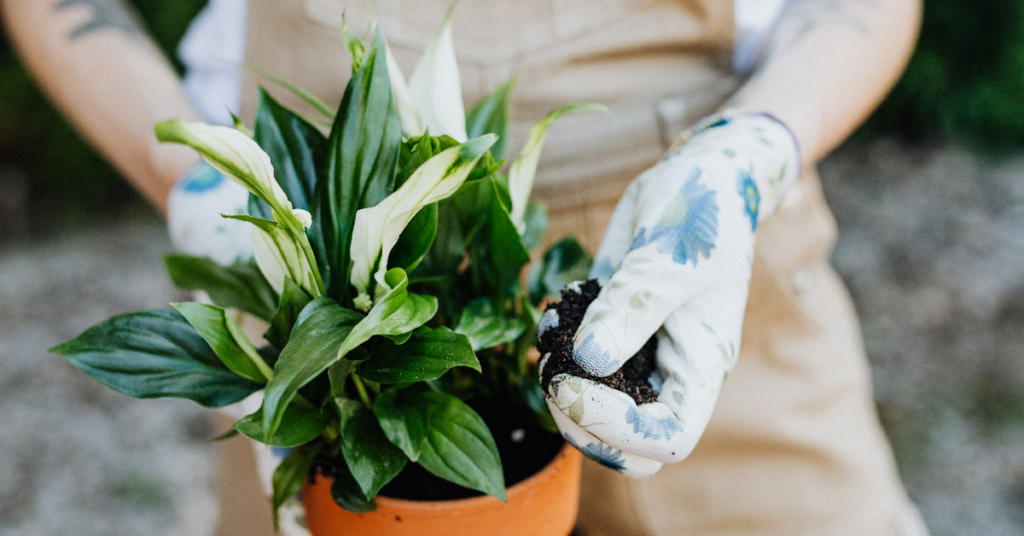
x=794 y=446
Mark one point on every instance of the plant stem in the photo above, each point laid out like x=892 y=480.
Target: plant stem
x=361 y=389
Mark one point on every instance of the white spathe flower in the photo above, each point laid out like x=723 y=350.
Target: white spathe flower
x=377 y=229
x=304 y=217
x=432 y=100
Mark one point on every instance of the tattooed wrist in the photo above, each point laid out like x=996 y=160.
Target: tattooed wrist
x=103 y=16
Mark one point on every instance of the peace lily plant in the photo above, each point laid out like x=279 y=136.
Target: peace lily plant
x=388 y=256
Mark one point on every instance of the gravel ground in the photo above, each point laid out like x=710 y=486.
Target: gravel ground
x=76 y=457
x=931 y=244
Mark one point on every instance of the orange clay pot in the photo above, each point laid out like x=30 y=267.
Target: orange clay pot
x=543 y=505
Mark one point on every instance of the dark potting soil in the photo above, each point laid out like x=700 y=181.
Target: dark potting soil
x=631 y=379
x=523 y=446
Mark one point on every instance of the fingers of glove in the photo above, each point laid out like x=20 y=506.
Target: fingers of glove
x=701 y=239
x=699 y=348
x=649 y=430
x=617 y=237
x=194 y=208
x=627 y=463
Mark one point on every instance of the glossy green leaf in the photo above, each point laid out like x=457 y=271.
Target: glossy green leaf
x=427 y=355
x=155 y=354
x=499 y=254
x=301 y=424
x=524 y=169
x=396 y=313
x=403 y=420
x=293 y=300
x=490 y=116
x=226 y=338
x=319 y=332
x=362 y=154
x=371 y=458
x=290 y=475
x=346 y=493
x=487 y=328
x=444 y=435
x=297 y=149
x=564 y=262
x=240 y=285
x=377 y=228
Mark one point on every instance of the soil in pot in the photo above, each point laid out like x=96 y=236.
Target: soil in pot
x=523 y=446
x=632 y=378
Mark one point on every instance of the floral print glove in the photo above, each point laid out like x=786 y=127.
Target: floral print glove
x=194 y=209
x=676 y=262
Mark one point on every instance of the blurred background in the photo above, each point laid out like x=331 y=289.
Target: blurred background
x=929 y=196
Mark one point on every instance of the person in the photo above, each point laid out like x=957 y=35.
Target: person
x=793 y=445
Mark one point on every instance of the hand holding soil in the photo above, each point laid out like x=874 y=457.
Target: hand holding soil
x=632 y=382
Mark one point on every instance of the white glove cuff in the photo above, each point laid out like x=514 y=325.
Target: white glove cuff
x=758 y=144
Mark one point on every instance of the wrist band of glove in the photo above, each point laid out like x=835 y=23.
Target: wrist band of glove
x=765 y=149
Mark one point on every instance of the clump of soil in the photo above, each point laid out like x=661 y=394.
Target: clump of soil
x=631 y=379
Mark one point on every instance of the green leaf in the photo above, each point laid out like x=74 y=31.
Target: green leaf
x=427 y=355
x=240 y=285
x=503 y=254
x=402 y=419
x=352 y=44
x=487 y=328
x=226 y=338
x=362 y=154
x=524 y=169
x=280 y=256
x=535 y=224
x=534 y=396
x=297 y=149
x=301 y=424
x=293 y=300
x=564 y=262
x=376 y=229
x=225 y=436
x=155 y=354
x=415 y=240
x=319 y=332
x=444 y=435
x=310 y=98
x=346 y=493
x=396 y=313
x=371 y=458
x=490 y=115
x=291 y=473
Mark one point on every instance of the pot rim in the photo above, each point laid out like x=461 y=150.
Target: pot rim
x=561 y=459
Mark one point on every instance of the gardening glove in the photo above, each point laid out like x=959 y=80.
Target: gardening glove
x=675 y=262
x=194 y=209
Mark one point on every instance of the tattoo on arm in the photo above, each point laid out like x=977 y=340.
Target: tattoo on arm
x=803 y=17
x=103 y=15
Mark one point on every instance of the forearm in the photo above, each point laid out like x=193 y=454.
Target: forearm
x=107 y=77
x=829 y=65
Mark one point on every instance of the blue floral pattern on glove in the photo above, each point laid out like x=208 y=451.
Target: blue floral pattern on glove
x=751 y=198
x=602 y=454
x=689 y=226
x=591 y=356
x=653 y=427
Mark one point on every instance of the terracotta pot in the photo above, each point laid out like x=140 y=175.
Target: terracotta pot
x=543 y=505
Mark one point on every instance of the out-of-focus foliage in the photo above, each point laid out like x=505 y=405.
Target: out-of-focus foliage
x=965 y=81
x=67 y=181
